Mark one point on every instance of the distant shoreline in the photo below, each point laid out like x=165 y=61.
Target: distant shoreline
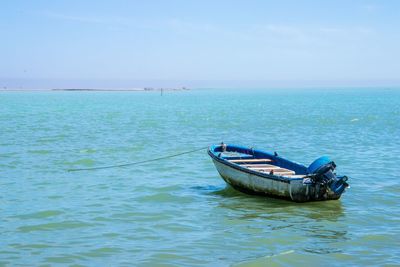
x=145 y=89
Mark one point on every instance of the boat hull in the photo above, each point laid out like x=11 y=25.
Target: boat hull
x=274 y=186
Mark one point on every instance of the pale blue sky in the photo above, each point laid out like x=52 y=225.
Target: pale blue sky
x=199 y=43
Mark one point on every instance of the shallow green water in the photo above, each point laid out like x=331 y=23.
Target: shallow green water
x=179 y=211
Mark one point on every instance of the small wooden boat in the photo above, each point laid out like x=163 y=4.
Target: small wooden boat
x=258 y=172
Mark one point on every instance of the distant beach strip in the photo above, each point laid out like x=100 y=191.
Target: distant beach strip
x=145 y=89
x=122 y=89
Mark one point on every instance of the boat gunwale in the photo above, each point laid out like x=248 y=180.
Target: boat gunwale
x=252 y=172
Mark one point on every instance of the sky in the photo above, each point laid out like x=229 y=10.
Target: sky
x=253 y=43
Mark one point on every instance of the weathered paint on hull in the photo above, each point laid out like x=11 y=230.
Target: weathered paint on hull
x=293 y=189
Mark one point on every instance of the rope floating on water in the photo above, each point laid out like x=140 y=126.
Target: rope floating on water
x=137 y=162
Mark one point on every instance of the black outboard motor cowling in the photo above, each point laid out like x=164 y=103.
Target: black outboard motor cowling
x=321 y=173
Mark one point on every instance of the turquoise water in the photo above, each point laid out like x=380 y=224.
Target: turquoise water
x=179 y=211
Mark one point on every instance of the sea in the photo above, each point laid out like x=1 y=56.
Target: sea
x=178 y=211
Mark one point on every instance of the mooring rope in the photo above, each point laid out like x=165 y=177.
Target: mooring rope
x=137 y=162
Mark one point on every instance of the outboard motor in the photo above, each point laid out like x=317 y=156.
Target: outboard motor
x=321 y=172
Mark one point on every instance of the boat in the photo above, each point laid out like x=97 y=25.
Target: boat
x=258 y=172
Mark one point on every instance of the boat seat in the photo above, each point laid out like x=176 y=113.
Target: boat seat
x=249 y=160
x=257 y=165
x=277 y=170
x=271 y=167
x=261 y=166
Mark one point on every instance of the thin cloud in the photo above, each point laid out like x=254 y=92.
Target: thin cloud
x=84 y=19
x=283 y=32
x=349 y=32
x=118 y=23
x=259 y=32
x=370 y=7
